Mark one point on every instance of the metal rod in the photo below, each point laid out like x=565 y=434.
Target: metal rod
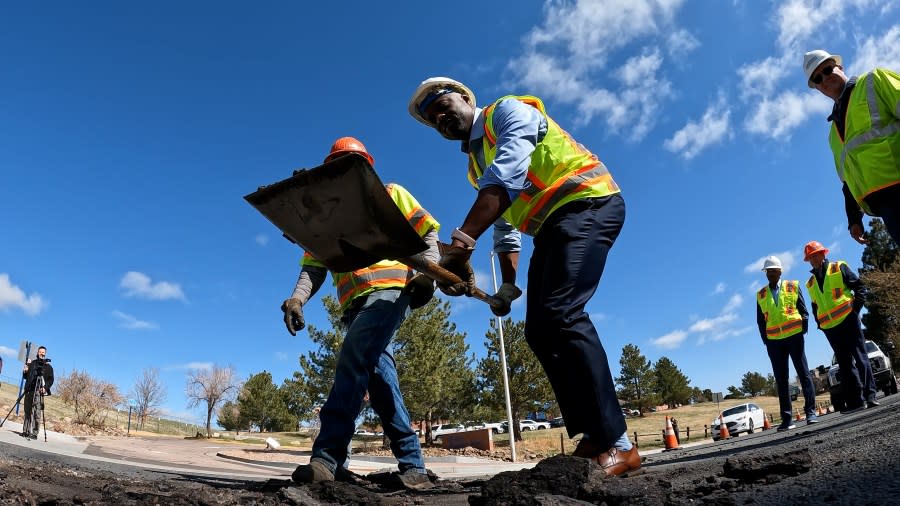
x=509 y=417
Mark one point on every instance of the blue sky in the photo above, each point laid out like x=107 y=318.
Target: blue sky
x=130 y=133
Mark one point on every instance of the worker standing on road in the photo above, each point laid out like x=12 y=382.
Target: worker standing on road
x=532 y=173
x=783 y=321
x=375 y=301
x=837 y=295
x=864 y=137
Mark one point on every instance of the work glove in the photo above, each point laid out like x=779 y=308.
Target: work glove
x=456 y=260
x=507 y=293
x=420 y=289
x=293 y=315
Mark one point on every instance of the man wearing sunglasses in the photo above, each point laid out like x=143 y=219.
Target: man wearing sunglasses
x=864 y=137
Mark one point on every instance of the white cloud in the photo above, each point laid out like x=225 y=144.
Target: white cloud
x=801 y=24
x=130 y=322
x=881 y=52
x=720 y=288
x=281 y=356
x=733 y=303
x=205 y=366
x=9 y=352
x=671 y=340
x=776 y=118
x=138 y=284
x=788 y=259
x=712 y=324
x=696 y=136
x=12 y=296
x=261 y=239
x=564 y=57
x=598 y=317
x=681 y=42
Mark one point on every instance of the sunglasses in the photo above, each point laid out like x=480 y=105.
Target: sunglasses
x=817 y=79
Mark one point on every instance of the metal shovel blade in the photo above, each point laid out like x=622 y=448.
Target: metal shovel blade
x=341 y=213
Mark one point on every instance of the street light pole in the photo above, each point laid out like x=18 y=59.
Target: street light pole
x=509 y=417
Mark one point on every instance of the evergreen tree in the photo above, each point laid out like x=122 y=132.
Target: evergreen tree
x=753 y=383
x=309 y=387
x=261 y=404
x=881 y=274
x=734 y=393
x=435 y=371
x=637 y=381
x=672 y=386
x=528 y=384
x=230 y=417
x=771 y=386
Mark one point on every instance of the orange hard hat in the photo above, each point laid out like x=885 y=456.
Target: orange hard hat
x=811 y=248
x=346 y=145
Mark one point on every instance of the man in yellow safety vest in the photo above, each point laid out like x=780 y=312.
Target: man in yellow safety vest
x=782 y=320
x=864 y=138
x=375 y=301
x=532 y=175
x=837 y=295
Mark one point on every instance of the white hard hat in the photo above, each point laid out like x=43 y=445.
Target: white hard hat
x=813 y=59
x=433 y=84
x=771 y=262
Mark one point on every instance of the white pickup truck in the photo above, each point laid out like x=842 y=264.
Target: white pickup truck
x=881 y=369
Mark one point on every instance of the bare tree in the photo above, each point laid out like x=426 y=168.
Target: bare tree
x=148 y=393
x=212 y=387
x=91 y=398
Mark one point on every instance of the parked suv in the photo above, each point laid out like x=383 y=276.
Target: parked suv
x=881 y=369
x=448 y=428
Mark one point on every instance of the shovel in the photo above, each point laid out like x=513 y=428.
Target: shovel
x=341 y=214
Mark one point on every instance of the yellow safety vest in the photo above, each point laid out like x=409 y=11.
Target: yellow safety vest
x=867 y=158
x=561 y=170
x=834 y=301
x=782 y=318
x=386 y=273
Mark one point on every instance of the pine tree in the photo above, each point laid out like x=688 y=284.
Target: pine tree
x=260 y=403
x=881 y=275
x=753 y=383
x=309 y=387
x=637 y=380
x=672 y=386
x=432 y=360
x=528 y=384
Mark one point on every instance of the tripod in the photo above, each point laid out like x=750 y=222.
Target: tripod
x=36 y=404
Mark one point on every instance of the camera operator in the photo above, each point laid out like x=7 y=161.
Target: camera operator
x=39 y=367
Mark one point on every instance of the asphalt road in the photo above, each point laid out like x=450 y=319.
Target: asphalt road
x=845 y=459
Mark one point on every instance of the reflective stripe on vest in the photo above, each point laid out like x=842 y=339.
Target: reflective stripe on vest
x=561 y=170
x=867 y=158
x=833 y=301
x=386 y=273
x=782 y=318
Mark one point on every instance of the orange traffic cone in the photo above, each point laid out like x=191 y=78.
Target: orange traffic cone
x=798 y=415
x=819 y=411
x=723 y=429
x=766 y=424
x=669 y=436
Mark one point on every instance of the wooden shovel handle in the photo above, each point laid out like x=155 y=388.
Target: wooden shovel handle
x=438 y=273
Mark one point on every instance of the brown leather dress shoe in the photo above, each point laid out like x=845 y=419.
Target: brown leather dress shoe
x=613 y=461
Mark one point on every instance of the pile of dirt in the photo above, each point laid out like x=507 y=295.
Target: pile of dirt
x=72 y=428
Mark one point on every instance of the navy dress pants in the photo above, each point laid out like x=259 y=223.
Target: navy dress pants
x=569 y=255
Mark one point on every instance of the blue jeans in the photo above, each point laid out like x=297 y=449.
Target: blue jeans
x=569 y=255
x=365 y=363
x=779 y=350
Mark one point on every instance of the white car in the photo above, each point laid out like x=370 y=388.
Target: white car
x=741 y=418
x=496 y=427
x=532 y=425
x=448 y=428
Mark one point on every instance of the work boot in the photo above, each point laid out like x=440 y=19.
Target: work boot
x=811 y=418
x=313 y=472
x=414 y=479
